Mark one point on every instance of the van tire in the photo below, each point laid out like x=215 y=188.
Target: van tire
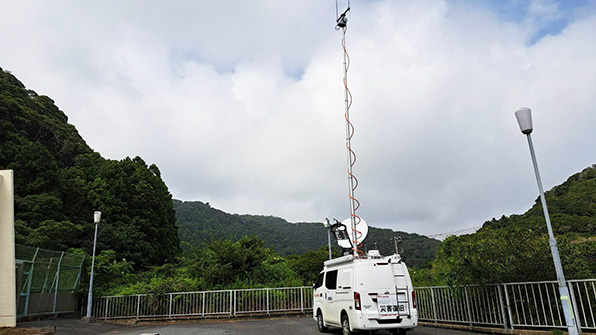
x=345 y=325
x=321 y=323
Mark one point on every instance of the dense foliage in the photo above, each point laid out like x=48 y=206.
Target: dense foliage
x=198 y=223
x=60 y=182
x=516 y=248
x=223 y=264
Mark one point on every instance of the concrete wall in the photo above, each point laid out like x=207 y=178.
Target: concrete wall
x=8 y=302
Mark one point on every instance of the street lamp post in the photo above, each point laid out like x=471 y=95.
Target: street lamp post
x=524 y=119
x=89 y=318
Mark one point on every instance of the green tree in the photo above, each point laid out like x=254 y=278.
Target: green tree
x=60 y=181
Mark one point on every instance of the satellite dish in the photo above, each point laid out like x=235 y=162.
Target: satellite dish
x=362 y=227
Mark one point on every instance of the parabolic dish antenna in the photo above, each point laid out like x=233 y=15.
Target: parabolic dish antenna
x=362 y=228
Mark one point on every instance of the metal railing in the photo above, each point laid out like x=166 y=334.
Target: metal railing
x=230 y=303
x=510 y=305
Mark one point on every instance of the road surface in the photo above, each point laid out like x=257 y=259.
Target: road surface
x=291 y=325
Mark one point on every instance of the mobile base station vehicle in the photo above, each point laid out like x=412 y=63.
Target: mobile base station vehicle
x=360 y=291
x=369 y=292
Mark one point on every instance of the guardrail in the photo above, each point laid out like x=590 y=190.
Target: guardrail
x=229 y=303
x=510 y=305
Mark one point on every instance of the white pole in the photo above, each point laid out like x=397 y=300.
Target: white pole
x=329 y=242
x=327 y=225
x=563 y=290
x=96 y=218
x=524 y=118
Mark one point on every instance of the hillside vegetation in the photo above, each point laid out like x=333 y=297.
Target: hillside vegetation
x=199 y=223
x=516 y=248
x=60 y=181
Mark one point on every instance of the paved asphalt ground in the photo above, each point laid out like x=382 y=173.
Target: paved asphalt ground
x=291 y=325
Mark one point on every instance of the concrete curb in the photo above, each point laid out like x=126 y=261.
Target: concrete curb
x=487 y=330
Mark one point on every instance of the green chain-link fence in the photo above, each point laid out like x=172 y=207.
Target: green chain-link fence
x=46 y=280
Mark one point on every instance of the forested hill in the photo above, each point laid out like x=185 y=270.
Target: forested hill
x=60 y=181
x=516 y=248
x=199 y=222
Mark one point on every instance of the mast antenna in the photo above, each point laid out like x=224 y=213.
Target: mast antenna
x=342 y=23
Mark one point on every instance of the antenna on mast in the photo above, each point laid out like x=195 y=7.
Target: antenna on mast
x=356 y=236
x=342 y=20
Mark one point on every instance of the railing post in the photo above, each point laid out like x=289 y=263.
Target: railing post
x=574 y=310
x=170 y=308
x=432 y=297
x=203 y=307
x=302 y=299
x=267 y=301
x=138 y=305
x=508 y=306
x=232 y=301
x=502 y=307
x=106 y=311
x=468 y=305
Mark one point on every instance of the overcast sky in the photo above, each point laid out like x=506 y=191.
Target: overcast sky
x=240 y=103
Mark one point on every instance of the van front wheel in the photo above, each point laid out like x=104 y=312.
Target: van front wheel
x=320 y=323
x=345 y=325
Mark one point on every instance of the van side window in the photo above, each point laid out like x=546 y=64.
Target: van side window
x=319 y=281
x=331 y=280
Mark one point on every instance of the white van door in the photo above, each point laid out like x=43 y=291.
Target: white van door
x=344 y=296
x=330 y=312
x=377 y=281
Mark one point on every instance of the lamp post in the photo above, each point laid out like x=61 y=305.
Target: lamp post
x=524 y=119
x=89 y=318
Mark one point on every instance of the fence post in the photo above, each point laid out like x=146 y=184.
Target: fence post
x=76 y=284
x=203 y=308
x=232 y=301
x=267 y=301
x=138 y=305
x=170 y=307
x=57 y=282
x=468 y=305
x=432 y=298
x=302 y=299
x=508 y=306
x=107 y=304
x=29 y=282
x=502 y=307
x=574 y=310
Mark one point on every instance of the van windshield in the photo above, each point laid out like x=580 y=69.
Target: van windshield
x=375 y=276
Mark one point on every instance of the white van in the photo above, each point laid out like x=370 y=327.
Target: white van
x=365 y=293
